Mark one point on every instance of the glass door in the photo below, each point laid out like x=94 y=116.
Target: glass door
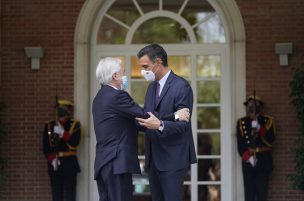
x=193 y=36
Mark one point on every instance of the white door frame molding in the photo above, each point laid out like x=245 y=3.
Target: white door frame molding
x=235 y=39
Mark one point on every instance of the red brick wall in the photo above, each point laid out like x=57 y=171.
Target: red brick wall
x=29 y=95
x=268 y=22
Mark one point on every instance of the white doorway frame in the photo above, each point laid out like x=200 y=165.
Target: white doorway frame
x=235 y=60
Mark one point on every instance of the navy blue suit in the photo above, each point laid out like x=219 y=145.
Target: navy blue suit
x=169 y=153
x=114 y=113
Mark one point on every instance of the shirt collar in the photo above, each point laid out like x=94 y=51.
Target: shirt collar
x=164 y=79
x=112 y=86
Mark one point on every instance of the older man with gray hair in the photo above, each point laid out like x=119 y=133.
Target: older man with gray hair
x=114 y=113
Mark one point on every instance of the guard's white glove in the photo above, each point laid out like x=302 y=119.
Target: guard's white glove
x=253 y=161
x=55 y=164
x=255 y=124
x=59 y=130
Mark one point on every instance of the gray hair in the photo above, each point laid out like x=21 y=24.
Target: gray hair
x=106 y=68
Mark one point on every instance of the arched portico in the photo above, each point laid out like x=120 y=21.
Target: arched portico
x=232 y=20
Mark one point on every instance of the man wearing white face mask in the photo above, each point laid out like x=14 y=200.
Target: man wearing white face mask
x=114 y=113
x=149 y=75
x=169 y=147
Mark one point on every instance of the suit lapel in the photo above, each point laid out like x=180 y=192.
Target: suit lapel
x=166 y=87
x=151 y=94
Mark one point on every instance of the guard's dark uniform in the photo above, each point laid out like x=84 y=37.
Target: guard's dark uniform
x=258 y=145
x=63 y=180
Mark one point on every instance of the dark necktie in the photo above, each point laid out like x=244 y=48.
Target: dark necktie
x=157 y=93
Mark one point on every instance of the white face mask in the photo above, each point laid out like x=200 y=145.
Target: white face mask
x=148 y=75
x=124 y=83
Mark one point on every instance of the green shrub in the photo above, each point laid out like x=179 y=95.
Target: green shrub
x=297 y=95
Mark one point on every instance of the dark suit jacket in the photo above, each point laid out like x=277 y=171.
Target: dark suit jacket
x=114 y=113
x=173 y=148
x=264 y=138
x=52 y=144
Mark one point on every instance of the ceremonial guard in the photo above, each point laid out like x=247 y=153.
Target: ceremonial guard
x=60 y=141
x=255 y=135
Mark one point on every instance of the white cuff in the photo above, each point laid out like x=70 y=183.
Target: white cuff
x=176 y=117
x=161 y=127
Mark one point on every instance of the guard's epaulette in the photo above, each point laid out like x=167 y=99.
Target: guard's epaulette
x=73 y=124
x=268 y=121
x=50 y=122
x=72 y=130
x=242 y=119
x=269 y=117
x=73 y=121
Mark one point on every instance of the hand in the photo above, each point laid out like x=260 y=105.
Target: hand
x=59 y=131
x=55 y=164
x=255 y=124
x=252 y=160
x=152 y=122
x=183 y=114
